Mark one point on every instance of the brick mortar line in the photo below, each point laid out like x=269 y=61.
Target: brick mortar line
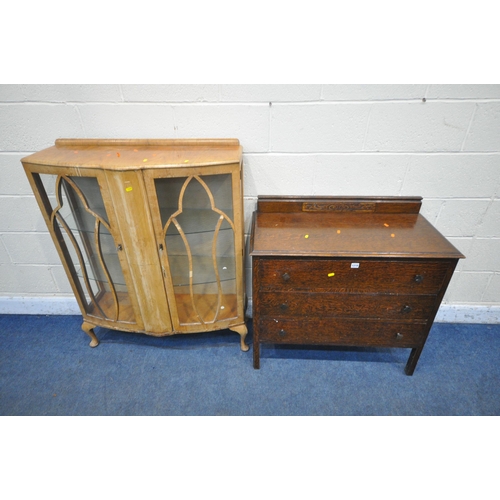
x=8 y=152
x=263 y=102
x=367 y=153
x=30 y=264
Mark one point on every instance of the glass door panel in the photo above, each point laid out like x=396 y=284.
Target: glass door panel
x=80 y=222
x=198 y=231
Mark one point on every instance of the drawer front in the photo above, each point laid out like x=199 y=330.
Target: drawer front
x=297 y=304
x=354 y=332
x=376 y=276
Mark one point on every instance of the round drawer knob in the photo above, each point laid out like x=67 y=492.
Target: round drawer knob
x=418 y=278
x=406 y=309
x=284 y=307
x=399 y=336
x=285 y=276
x=282 y=333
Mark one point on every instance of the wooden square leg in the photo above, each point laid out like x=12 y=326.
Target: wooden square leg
x=413 y=360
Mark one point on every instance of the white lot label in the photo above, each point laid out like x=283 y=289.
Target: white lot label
x=354 y=265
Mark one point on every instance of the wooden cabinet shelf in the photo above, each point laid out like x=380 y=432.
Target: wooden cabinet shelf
x=150 y=231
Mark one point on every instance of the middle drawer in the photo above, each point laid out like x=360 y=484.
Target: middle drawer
x=291 y=304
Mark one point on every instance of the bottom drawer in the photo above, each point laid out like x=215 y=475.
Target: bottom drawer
x=353 y=332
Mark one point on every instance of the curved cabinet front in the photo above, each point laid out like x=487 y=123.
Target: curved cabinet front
x=198 y=227
x=150 y=232
x=84 y=230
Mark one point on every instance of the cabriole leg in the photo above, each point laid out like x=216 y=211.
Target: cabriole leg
x=89 y=330
x=242 y=331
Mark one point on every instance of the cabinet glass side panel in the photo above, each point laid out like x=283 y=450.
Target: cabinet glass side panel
x=81 y=225
x=199 y=233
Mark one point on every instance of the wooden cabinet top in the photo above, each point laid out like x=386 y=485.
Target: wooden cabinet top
x=346 y=227
x=133 y=154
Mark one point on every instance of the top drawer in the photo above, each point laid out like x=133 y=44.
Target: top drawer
x=342 y=275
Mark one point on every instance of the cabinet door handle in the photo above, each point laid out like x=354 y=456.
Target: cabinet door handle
x=399 y=336
x=406 y=309
x=282 y=333
x=119 y=248
x=418 y=278
x=284 y=307
x=285 y=276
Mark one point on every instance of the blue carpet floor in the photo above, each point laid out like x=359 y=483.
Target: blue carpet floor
x=47 y=368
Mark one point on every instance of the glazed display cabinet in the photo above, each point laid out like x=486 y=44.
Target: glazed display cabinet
x=150 y=232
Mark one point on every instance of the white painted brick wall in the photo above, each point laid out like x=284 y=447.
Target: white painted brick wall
x=297 y=140
x=418 y=126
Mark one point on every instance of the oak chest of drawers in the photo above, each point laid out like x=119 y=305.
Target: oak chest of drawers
x=346 y=271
